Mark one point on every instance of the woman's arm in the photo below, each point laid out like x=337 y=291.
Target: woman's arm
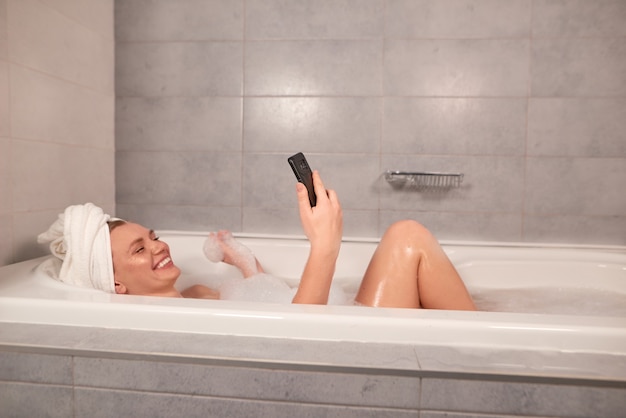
x=323 y=226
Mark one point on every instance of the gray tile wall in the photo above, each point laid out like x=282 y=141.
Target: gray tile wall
x=526 y=97
x=56 y=115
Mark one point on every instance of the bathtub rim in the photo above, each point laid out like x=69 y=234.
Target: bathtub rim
x=443 y=242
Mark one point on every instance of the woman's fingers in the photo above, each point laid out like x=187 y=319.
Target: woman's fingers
x=318 y=186
x=332 y=197
x=320 y=192
x=304 y=205
x=303 y=195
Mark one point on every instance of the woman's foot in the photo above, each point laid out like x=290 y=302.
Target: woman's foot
x=222 y=246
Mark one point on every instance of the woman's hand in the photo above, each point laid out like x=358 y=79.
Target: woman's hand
x=323 y=226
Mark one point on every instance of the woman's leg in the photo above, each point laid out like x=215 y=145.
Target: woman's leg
x=409 y=269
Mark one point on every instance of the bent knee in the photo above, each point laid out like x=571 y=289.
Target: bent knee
x=410 y=228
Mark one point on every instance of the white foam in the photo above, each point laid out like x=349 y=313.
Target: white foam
x=212 y=249
x=243 y=258
x=240 y=255
x=270 y=289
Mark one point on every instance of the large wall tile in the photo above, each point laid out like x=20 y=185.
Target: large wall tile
x=411 y=19
x=4 y=99
x=361 y=223
x=575 y=229
x=334 y=68
x=178 y=69
x=579 y=18
x=454 y=126
x=178 y=124
x=48 y=109
x=355 y=178
x=181 y=217
x=470 y=226
x=33 y=400
x=6 y=190
x=521 y=398
x=4 y=45
x=35 y=368
x=47 y=41
x=356 y=223
x=269 y=181
x=312 y=124
x=181 y=20
x=266 y=220
x=578 y=186
x=249 y=383
x=182 y=178
x=6 y=245
x=96 y=403
x=456 y=67
x=314 y=19
x=97 y=15
x=564 y=67
x=41 y=173
x=490 y=184
x=577 y=127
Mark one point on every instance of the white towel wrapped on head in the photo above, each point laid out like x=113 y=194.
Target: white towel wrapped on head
x=80 y=238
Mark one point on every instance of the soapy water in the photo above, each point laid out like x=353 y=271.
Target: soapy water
x=257 y=287
x=240 y=254
x=535 y=300
x=552 y=300
x=261 y=287
x=270 y=289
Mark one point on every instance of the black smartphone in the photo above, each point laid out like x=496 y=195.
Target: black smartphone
x=303 y=173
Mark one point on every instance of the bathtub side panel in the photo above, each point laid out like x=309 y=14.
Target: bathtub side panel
x=270 y=384
x=51 y=400
x=95 y=403
x=35 y=368
x=35 y=385
x=522 y=398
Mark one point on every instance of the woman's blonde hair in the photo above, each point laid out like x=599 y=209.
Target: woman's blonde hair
x=114 y=224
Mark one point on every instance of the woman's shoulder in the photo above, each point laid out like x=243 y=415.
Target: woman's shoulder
x=199 y=291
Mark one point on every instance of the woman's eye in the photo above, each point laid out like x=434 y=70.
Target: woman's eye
x=138 y=250
x=156 y=238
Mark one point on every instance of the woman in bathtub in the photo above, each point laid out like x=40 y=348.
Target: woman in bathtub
x=409 y=269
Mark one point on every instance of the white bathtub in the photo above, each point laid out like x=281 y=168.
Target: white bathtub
x=27 y=298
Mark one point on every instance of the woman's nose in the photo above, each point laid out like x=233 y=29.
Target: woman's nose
x=158 y=247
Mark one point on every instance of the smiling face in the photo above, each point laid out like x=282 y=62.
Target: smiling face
x=142 y=264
